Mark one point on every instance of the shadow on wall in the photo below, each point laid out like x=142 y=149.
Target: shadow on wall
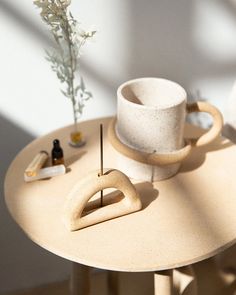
x=24 y=21
x=20 y=258
x=162 y=42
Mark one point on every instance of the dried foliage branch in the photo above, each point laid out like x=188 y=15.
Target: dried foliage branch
x=64 y=59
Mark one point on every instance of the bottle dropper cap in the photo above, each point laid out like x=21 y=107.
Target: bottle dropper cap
x=56 y=143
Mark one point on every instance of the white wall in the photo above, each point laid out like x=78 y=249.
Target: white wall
x=190 y=41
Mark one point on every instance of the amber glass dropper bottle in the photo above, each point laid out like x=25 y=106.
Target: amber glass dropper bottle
x=57 y=153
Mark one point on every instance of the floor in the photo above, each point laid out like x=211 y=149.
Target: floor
x=209 y=282
x=130 y=283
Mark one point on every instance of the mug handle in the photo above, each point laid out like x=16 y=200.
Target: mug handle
x=216 y=128
x=178 y=156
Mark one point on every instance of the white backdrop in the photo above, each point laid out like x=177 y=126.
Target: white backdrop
x=189 y=41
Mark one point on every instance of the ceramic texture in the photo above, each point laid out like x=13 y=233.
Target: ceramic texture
x=151 y=116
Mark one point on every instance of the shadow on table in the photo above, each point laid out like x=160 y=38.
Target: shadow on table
x=145 y=189
x=72 y=159
x=147 y=193
x=198 y=154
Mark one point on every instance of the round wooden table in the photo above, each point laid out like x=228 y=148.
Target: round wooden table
x=184 y=219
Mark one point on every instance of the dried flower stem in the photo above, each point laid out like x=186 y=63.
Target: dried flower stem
x=64 y=61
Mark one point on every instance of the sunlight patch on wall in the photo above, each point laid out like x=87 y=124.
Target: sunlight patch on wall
x=214 y=29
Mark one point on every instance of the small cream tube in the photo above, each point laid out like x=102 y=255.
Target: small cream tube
x=36 y=164
x=46 y=173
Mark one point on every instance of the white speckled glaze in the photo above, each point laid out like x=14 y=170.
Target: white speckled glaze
x=151 y=116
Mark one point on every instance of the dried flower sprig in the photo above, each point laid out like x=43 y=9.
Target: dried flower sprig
x=64 y=59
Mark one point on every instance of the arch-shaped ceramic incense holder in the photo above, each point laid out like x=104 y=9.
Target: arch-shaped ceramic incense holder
x=87 y=187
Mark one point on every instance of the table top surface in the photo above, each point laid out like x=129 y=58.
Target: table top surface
x=184 y=219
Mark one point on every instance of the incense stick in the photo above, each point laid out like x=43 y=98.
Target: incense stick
x=101 y=158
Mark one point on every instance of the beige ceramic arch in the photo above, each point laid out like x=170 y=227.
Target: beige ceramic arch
x=87 y=187
x=178 y=156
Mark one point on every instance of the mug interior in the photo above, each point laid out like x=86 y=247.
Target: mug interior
x=153 y=92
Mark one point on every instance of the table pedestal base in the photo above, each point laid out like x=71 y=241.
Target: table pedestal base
x=113 y=282
x=163 y=282
x=80 y=279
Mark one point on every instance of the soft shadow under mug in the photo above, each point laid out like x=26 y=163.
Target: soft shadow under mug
x=149 y=129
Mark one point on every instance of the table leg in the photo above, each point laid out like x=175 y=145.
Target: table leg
x=163 y=282
x=80 y=279
x=113 y=282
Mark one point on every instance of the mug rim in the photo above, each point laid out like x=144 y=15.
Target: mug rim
x=142 y=106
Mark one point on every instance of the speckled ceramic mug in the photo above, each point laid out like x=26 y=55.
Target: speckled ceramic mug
x=150 y=124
